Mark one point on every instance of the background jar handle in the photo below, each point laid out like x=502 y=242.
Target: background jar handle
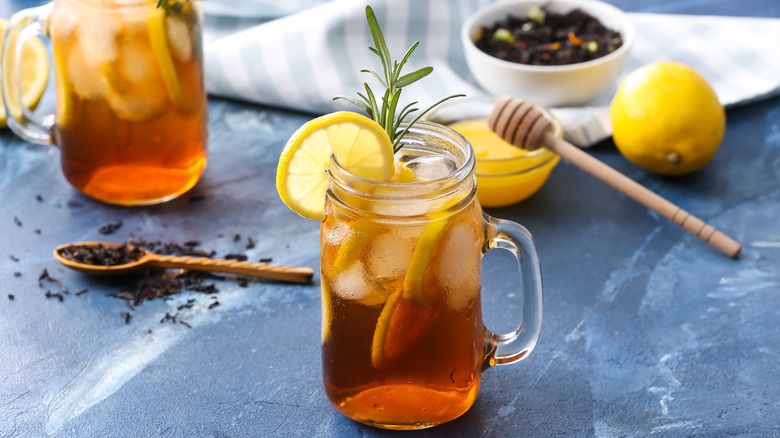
x=23 y=25
x=515 y=346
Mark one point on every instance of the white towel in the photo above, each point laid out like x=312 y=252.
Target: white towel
x=298 y=54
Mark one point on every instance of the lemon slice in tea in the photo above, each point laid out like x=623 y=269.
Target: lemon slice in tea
x=167 y=35
x=401 y=325
x=409 y=313
x=360 y=145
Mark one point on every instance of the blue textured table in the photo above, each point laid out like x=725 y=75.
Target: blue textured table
x=647 y=331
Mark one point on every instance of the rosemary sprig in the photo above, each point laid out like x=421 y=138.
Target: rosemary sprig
x=385 y=115
x=172 y=6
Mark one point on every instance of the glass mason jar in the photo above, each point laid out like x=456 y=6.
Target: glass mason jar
x=403 y=342
x=131 y=101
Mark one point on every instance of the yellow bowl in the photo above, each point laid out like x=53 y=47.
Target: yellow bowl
x=503 y=181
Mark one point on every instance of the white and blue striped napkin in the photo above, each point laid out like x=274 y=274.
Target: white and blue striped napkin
x=298 y=54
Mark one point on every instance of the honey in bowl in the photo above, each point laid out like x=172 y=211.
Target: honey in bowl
x=505 y=174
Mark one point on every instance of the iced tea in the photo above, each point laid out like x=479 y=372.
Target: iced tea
x=131 y=102
x=403 y=341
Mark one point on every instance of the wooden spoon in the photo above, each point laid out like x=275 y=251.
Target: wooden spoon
x=151 y=260
x=522 y=125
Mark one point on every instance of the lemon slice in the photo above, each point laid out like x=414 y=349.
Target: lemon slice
x=360 y=235
x=327 y=316
x=421 y=258
x=35 y=75
x=359 y=144
x=364 y=231
x=409 y=313
x=401 y=325
x=403 y=174
x=158 y=39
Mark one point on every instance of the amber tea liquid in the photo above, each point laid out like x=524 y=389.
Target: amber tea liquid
x=131 y=104
x=403 y=338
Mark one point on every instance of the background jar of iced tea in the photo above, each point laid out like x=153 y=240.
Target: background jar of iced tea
x=131 y=102
x=403 y=342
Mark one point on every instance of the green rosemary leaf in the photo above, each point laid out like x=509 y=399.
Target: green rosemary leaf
x=400 y=135
x=365 y=101
x=399 y=65
x=391 y=110
x=412 y=77
x=355 y=102
x=373 y=73
x=387 y=115
x=172 y=6
x=379 y=41
x=408 y=109
x=372 y=102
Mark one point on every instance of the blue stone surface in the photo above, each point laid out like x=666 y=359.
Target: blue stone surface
x=647 y=330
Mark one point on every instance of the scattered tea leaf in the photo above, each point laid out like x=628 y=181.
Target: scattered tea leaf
x=50 y=294
x=110 y=228
x=44 y=276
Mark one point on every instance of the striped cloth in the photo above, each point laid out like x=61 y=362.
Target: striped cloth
x=298 y=54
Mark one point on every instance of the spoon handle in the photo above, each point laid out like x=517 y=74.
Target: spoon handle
x=644 y=196
x=262 y=270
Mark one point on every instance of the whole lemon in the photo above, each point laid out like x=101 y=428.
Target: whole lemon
x=667 y=119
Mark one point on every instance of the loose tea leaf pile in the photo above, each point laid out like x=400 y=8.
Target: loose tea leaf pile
x=100 y=255
x=548 y=38
x=149 y=284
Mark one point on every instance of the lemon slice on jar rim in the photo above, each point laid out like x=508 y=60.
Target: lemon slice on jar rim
x=35 y=75
x=360 y=145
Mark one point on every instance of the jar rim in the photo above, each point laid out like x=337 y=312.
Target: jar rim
x=416 y=136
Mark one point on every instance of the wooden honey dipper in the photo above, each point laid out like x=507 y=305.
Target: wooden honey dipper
x=522 y=125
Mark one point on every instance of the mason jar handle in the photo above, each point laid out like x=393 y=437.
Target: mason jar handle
x=515 y=346
x=23 y=25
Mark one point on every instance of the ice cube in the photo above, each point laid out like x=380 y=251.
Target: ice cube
x=138 y=105
x=63 y=22
x=388 y=256
x=353 y=284
x=87 y=82
x=431 y=167
x=137 y=61
x=459 y=265
x=178 y=38
x=97 y=38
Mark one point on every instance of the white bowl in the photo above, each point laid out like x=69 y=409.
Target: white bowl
x=555 y=85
